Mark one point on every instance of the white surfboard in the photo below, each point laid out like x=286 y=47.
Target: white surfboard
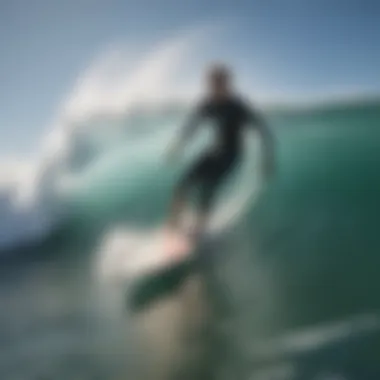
x=127 y=254
x=149 y=265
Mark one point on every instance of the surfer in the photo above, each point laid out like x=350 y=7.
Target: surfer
x=229 y=114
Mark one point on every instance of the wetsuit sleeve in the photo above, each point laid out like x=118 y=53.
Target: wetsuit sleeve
x=198 y=114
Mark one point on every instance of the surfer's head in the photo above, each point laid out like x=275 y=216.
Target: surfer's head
x=219 y=80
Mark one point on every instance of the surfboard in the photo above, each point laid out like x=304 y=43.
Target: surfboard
x=151 y=263
x=175 y=249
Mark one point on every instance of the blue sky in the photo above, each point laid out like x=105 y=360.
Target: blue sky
x=294 y=47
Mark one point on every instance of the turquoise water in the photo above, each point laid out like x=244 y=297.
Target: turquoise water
x=292 y=292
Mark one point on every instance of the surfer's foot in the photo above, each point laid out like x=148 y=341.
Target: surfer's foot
x=177 y=245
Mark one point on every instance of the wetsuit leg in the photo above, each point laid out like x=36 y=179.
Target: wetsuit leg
x=194 y=177
x=207 y=174
x=197 y=174
x=218 y=171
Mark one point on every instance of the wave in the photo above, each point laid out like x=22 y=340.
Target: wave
x=109 y=137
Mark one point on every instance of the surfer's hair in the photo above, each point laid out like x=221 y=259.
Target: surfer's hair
x=219 y=72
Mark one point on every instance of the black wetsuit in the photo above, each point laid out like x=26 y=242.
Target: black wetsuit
x=229 y=117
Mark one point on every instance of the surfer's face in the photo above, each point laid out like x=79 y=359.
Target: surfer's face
x=219 y=84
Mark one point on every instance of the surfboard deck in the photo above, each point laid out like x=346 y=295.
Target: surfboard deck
x=179 y=260
x=151 y=263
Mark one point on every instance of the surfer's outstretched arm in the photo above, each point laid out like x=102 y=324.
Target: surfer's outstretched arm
x=259 y=123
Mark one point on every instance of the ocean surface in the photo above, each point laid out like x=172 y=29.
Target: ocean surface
x=288 y=290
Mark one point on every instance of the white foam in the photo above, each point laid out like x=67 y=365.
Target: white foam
x=32 y=193
x=316 y=337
